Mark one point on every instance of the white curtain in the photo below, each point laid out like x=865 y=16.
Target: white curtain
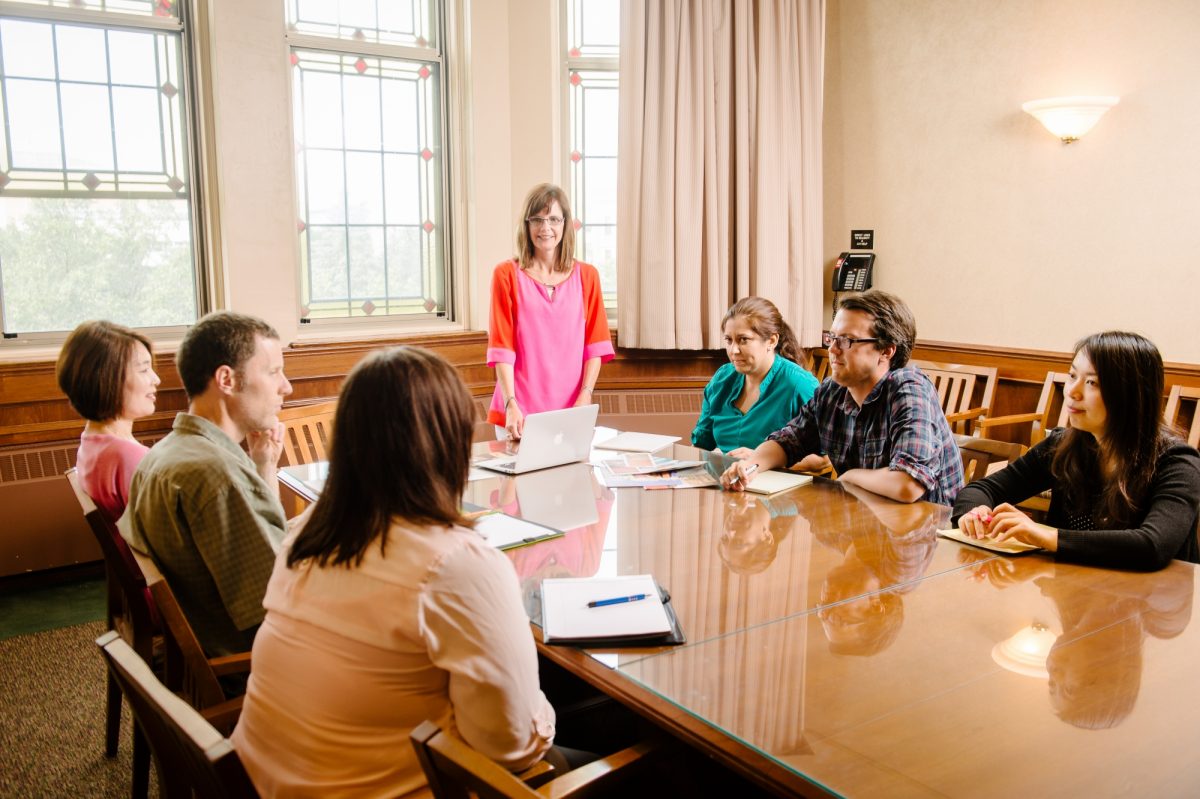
x=719 y=174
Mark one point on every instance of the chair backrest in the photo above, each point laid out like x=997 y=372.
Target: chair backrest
x=982 y=456
x=187 y=669
x=818 y=363
x=193 y=757
x=1052 y=409
x=964 y=391
x=131 y=610
x=308 y=430
x=1179 y=415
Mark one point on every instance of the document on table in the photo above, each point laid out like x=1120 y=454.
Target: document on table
x=774 y=482
x=1009 y=547
x=508 y=532
x=566 y=617
x=637 y=442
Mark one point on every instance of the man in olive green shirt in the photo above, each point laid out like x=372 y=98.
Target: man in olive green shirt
x=205 y=511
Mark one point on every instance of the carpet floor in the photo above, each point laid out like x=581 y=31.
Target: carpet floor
x=52 y=718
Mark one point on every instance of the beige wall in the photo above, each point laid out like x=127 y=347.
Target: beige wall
x=992 y=230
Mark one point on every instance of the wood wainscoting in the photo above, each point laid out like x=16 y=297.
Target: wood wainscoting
x=41 y=526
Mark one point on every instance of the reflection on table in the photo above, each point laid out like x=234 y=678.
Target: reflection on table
x=935 y=713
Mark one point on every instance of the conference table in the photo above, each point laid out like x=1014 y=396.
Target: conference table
x=837 y=646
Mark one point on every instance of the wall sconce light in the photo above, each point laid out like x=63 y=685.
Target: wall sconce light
x=1068 y=118
x=1026 y=651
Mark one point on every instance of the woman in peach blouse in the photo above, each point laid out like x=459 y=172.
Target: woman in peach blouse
x=387 y=609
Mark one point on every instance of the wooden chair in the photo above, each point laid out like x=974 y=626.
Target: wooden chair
x=188 y=671
x=982 y=456
x=308 y=430
x=965 y=391
x=131 y=613
x=456 y=771
x=193 y=758
x=1050 y=413
x=818 y=363
x=1176 y=417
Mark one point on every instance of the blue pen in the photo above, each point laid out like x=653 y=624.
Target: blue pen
x=599 y=603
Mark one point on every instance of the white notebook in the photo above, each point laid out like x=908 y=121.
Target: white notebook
x=1009 y=547
x=774 y=482
x=567 y=617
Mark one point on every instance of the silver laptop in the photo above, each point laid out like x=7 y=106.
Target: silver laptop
x=551 y=438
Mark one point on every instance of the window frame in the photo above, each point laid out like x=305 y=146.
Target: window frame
x=452 y=100
x=580 y=63
x=188 y=22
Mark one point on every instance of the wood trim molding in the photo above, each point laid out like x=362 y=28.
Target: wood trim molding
x=34 y=412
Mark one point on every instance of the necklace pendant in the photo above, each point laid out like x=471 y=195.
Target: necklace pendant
x=550 y=291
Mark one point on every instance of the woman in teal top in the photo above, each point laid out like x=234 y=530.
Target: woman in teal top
x=762 y=387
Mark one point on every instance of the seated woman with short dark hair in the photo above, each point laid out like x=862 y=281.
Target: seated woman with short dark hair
x=107 y=372
x=1126 y=490
x=387 y=609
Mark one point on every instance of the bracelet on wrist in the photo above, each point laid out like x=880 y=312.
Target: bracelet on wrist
x=588 y=389
x=509 y=401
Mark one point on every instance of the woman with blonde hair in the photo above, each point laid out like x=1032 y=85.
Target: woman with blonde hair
x=548 y=333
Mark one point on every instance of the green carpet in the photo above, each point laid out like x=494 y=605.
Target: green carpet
x=39 y=609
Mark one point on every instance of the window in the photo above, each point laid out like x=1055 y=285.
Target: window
x=96 y=178
x=369 y=110
x=593 y=28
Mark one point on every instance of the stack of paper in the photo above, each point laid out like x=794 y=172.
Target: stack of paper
x=773 y=482
x=508 y=532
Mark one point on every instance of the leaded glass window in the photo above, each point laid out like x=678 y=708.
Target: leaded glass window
x=370 y=171
x=592 y=49
x=96 y=217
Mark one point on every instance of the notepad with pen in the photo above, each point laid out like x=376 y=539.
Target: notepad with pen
x=608 y=612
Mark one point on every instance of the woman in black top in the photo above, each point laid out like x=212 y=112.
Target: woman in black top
x=1126 y=490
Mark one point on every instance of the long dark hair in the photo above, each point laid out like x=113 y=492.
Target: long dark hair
x=1130 y=370
x=401 y=450
x=766 y=321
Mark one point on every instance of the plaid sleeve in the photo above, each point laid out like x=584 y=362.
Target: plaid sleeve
x=918 y=430
x=801 y=436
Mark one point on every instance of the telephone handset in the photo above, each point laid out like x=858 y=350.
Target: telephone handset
x=853 y=271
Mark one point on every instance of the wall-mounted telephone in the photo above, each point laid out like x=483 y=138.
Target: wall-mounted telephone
x=853 y=271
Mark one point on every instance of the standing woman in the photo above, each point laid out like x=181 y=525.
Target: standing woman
x=107 y=372
x=548 y=333
x=762 y=388
x=385 y=609
x=1126 y=490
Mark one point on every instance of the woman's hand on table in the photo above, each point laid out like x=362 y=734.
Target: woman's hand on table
x=1005 y=522
x=514 y=420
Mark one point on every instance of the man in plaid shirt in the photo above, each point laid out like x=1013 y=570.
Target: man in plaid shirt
x=878 y=420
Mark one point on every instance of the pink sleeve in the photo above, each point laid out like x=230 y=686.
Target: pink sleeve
x=129 y=455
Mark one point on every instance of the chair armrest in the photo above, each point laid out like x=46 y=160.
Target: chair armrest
x=231 y=664
x=224 y=716
x=537 y=774
x=1012 y=418
x=594 y=776
x=962 y=416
